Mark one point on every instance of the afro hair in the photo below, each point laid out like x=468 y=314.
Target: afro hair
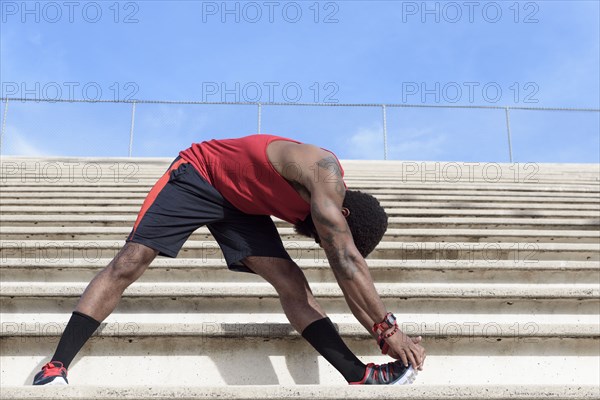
x=367 y=221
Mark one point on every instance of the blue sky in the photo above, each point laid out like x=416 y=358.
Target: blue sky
x=504 y=53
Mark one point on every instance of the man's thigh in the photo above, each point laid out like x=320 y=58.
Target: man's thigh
x=179 y=203
x=242 y=235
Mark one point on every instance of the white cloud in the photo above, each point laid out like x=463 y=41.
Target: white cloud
x=367 y=143
x=417 y=144
x=14 y=143
x=414 y=144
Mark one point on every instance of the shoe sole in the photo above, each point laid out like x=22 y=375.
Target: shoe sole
x=58 y=381
x=408 y=378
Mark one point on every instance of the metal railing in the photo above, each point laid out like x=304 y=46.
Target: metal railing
x=260 y=105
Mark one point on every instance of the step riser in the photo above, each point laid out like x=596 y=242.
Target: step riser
x=106 y=197
x=414 y=305
x=145 y=181
x=39 y=183
x=324 y=391
x=49 y=175
x=445 y=252
x=211 y=362
x=56 y=195
x=392 y=206
x=161 y=275
x=439 y=223
x=131 y=212
x=493 y=237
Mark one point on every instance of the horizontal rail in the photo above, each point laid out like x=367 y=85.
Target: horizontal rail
x=396 y=105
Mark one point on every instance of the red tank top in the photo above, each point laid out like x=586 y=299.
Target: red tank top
x=241 y=171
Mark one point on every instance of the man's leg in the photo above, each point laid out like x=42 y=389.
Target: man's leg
x=305 y=314
x=101 y=297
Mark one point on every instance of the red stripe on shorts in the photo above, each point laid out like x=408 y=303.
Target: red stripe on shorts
x=158 y=186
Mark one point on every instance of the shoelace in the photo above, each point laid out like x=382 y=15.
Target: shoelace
x=50 y=366
x=386 y=371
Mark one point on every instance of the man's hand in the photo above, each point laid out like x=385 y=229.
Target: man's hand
x=407 y=349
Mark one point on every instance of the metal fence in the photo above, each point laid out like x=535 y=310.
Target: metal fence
x=259 y=107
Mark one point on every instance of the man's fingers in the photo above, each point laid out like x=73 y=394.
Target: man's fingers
x=411 y=357
x=422 y=360
x=413 y=354
x=419 y=354
x=403 y=358
x=417 y=340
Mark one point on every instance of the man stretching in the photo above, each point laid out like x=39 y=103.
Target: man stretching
x=233 y=186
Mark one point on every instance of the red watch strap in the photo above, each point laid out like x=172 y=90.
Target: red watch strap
x=384 y=325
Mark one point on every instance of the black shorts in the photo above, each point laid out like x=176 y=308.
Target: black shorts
x=182 y=201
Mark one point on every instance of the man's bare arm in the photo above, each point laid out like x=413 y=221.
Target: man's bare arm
x=349 y=267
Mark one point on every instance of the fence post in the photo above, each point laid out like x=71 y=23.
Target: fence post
x=259 y=118
x=131 y=127
x=384 y=116
x=507 y=113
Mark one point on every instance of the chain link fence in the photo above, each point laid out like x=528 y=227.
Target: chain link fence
x=157 y=127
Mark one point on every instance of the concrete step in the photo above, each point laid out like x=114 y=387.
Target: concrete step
x=390 y=205
x=124 y=197
x=214 y=270
x=513 y=346
x=392 y=234
x=258 y=298
x=387 y=200
x=272 y=326
x=139 y=168
x=192 y=361
x=495 y=265
x=57 y=249
x=358 y=165
x=516 y=189
x=411 y=212
x=99 y=172
x=393 y=222
x=434 y=303
x=305 y=392
x=324 y=290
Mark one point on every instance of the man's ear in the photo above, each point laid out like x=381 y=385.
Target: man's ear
x=345 y=212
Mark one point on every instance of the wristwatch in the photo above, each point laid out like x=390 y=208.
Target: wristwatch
x=388 y=322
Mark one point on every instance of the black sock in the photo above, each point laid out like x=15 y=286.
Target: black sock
x=79 y=329
x=322 y=335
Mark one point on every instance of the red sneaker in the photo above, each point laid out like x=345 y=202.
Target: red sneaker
x=393 y=373
x=53 y=373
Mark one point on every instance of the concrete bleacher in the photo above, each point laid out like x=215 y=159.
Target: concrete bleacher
x=497 y=266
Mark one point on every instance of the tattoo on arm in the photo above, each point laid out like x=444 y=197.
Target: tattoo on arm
x=339 y=257
x=342 y=264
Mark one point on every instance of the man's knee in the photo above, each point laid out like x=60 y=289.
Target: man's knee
x=131 y=261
